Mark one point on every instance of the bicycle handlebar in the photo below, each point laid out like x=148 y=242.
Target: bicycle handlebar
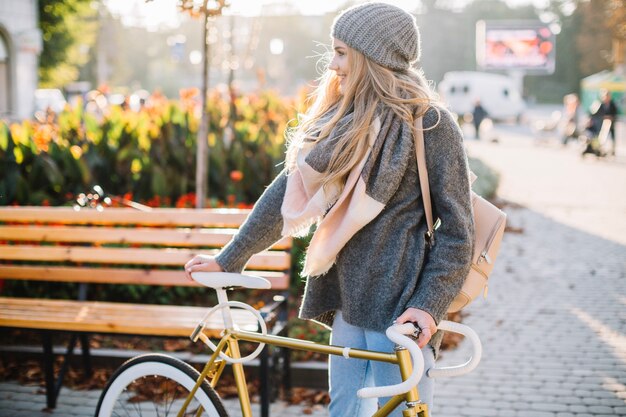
x=396 y=334
x=473 y=361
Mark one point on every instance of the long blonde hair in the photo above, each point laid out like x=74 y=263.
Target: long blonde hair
x=368 y=84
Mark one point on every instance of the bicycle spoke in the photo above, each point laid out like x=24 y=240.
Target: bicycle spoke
x=163 y=397
x=157 y=386
x=123 y=402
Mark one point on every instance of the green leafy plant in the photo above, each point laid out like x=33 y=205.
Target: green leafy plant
x=145 y=154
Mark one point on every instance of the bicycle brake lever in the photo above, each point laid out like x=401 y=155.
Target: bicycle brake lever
x=418 y=330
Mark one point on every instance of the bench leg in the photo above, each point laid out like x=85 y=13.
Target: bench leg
x=264 y=382
x=53 y=387
x=84 y=344
x=48 y=366
x=286 y=353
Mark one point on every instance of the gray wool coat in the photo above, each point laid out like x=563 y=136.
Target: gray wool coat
x=386 y=267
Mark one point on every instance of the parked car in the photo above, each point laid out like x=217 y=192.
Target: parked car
x=49 y=98
x=498 y=94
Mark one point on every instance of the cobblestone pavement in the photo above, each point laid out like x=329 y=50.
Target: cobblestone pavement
x=554 y=324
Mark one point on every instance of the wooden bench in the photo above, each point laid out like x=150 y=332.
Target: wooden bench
x=123 y=246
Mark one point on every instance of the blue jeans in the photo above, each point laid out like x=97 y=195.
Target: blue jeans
x=347 y=376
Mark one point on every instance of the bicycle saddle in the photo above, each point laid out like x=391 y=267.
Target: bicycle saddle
x=224 y=280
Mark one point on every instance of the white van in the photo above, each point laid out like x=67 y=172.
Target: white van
x=498 y=94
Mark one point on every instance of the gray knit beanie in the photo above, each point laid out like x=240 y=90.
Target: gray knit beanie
x=384 y=33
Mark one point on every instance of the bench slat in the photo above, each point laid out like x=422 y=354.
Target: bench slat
x=60 y=244
x=114 y=215
x=111 y=317
x=67 y=308
x=85 y=234
x=279 y=279
x=276 y=260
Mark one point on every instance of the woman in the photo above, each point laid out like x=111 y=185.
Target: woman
x=351 y=170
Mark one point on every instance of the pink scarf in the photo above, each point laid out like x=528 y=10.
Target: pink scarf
x=339 y=215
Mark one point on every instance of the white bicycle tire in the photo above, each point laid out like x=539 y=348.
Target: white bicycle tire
x=159 y=365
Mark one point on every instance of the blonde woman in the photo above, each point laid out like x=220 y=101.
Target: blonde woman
x=351 y=170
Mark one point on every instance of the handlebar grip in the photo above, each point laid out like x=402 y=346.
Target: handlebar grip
x=396 y=334
x=468 y=366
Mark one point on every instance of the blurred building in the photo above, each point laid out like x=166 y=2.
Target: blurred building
x=20 y=46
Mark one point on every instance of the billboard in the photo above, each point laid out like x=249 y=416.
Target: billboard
x=515 y=45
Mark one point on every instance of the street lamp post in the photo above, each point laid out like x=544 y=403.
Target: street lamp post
x=210 y=8
x=202 y=156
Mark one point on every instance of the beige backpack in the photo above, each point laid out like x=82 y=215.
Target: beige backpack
x=489 y=224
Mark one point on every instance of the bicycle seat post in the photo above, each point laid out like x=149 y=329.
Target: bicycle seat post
x=222 y=298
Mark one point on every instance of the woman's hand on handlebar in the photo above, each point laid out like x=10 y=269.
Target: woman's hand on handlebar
x=423 y=320
x=202 y=263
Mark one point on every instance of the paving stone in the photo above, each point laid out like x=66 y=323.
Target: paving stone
x=447 y=411
x=589 y=400
x=539 y=414
x=21 y=413
x=86 y=410
x=18 y=398
x=528 y=391
x=30 y=406
x=578 y=408
x=602 y=394
x=72 y=400
x=506 y=412
x=540 y=406
x=481 y=404
x=520 y=405
x=501 y=404
x=452 y=401
x=491 y=395
x=614 y=402
x=568 y=399
x=479 y=412
x=600 y=409
x=510 y=398
x=556 y=391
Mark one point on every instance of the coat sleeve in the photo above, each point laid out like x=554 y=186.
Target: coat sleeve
x=447 y=263
x=261 y=229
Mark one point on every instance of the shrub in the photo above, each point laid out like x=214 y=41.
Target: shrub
x=145 y=154
x=488 y=179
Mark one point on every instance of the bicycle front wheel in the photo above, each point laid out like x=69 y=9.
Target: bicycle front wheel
x=157 y=385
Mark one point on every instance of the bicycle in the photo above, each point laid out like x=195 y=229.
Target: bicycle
x=168 y=386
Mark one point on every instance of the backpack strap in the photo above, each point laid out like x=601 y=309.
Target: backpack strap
x=422 y=171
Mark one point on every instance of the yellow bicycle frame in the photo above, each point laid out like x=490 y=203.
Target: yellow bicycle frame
x=229 y=344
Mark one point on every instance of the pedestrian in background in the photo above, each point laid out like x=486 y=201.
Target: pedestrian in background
x=608 y=111
x=351 y=170
x=478 y=115
x=571 y=106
